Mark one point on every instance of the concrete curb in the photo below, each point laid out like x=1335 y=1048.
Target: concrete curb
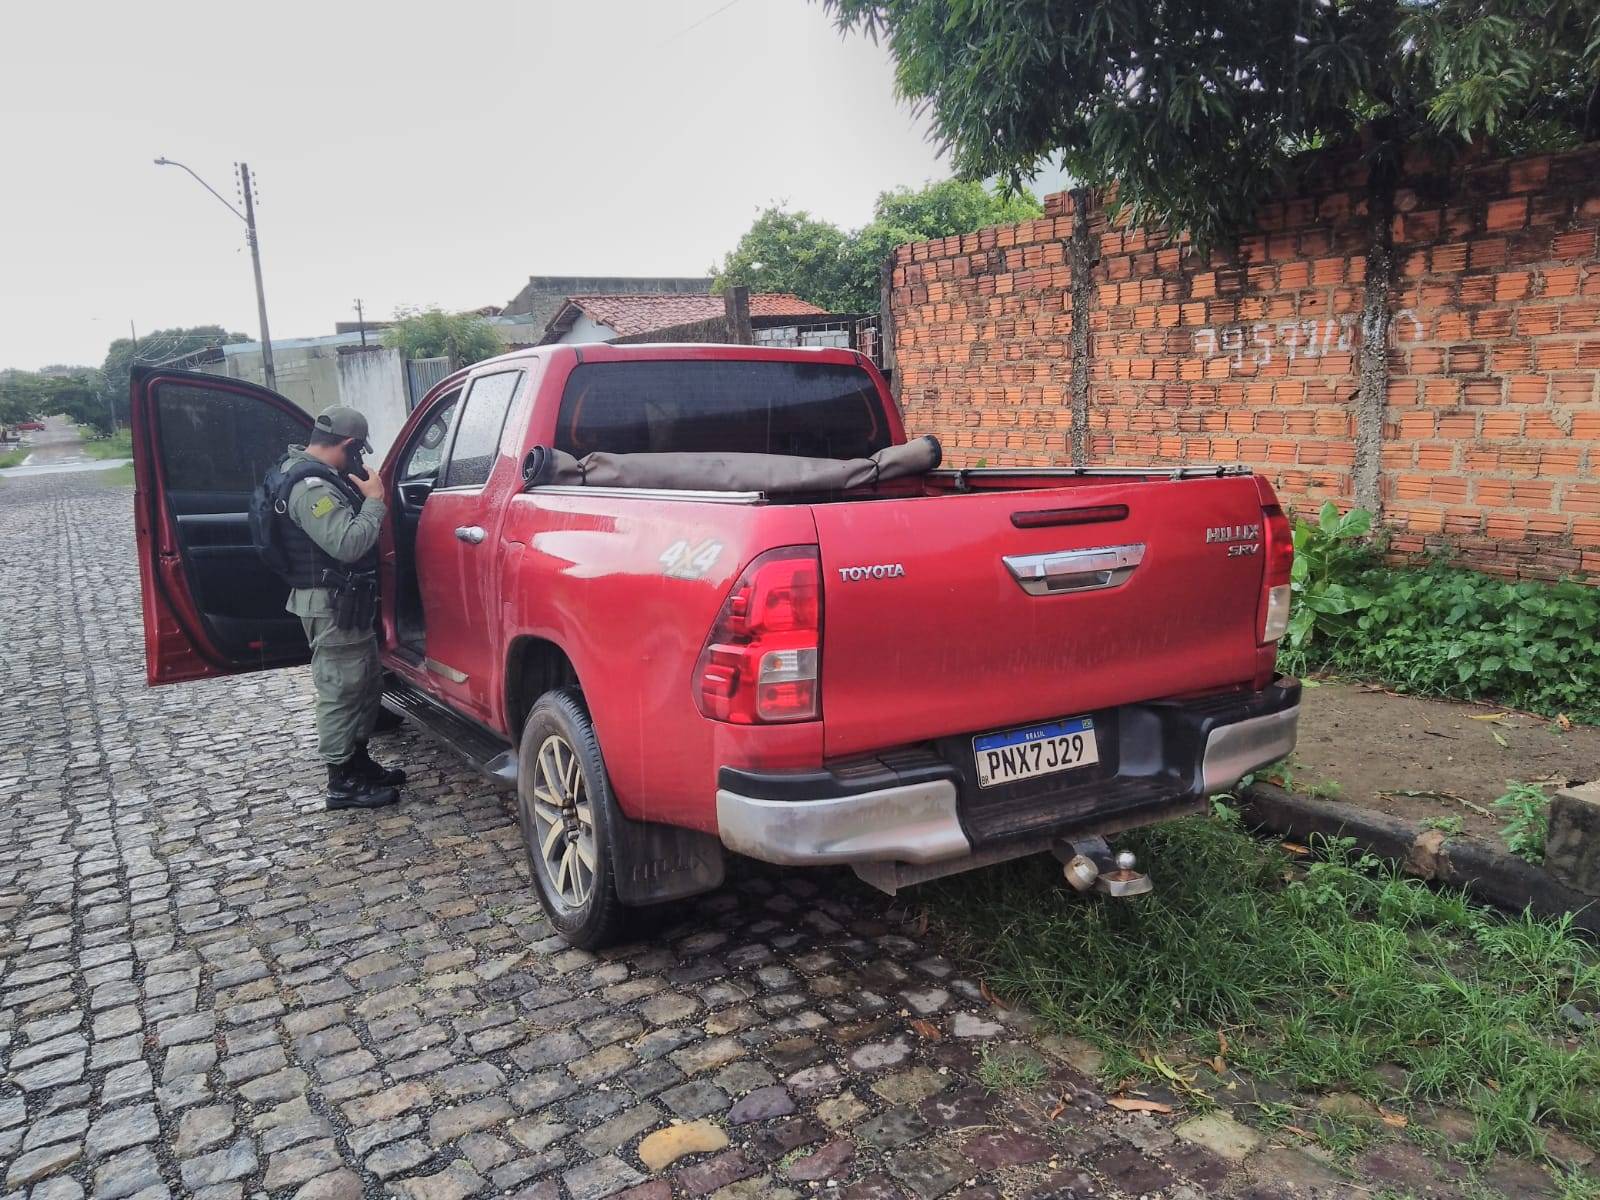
x=1492 y=876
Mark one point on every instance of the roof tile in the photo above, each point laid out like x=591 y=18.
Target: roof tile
x=635 y=314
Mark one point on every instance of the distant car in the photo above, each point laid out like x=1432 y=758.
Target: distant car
x=33 y=426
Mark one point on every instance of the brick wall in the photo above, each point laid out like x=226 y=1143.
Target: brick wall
x=1485 y=421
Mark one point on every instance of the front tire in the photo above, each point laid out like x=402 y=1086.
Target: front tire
x=567 y=813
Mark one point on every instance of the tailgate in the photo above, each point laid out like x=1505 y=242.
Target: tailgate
x=927 y=631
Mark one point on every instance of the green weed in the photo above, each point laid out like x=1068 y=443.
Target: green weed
x=1576 y=1185
x=1528 y=810
x=1318 y=981
x=1438 y=630
x=1447 y=825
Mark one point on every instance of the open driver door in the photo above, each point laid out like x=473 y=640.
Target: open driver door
x=201 y=444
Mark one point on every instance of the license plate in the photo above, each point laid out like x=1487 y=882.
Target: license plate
x=1037 y=750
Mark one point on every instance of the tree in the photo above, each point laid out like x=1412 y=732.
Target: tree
x=159 y=346
x=794 y=252
x=463 y=338
x=937 y=210
x=1198 y=112
x=21 y=393
x=84 y=399
x=78 y=393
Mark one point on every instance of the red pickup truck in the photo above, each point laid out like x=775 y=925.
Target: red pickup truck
x=912 y=675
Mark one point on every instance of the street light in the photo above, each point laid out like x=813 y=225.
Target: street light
x=248 y=216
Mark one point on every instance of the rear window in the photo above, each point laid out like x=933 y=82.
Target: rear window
x=815 y=410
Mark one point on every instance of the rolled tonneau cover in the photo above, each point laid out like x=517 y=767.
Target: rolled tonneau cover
x=773 y=474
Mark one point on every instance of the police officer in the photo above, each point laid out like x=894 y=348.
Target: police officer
x=329 y=524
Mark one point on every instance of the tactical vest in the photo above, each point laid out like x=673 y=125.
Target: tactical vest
x=307 y=560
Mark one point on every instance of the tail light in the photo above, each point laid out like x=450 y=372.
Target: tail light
x=1279 y=552
x=760 y=664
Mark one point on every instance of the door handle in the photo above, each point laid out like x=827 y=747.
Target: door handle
x=470 y=533
x=1074 y=570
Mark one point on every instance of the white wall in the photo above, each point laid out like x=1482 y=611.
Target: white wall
x=587 y=329
x=374 y=384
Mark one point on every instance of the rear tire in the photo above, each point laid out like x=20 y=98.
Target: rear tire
x=567 y=813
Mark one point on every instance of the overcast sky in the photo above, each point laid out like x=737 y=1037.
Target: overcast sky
x=410 y=153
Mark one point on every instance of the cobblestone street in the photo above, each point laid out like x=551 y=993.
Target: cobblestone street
x=210 y=987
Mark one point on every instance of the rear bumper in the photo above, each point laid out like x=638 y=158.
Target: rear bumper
x=919 y=805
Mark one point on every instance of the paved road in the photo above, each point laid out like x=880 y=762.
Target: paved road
x=57 y=443
x=210 y=987
x=55 y=448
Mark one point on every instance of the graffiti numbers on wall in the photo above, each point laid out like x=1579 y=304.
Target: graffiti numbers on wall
x=1290 y=340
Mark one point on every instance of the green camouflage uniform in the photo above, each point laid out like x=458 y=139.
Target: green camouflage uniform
x=344 y=662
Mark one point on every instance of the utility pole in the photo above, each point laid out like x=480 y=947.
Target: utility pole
x=132 y=333
x=736 y=304
x=361 y=324
x=248 y=216
x=255 y=261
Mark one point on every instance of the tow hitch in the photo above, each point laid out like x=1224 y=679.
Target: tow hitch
x=1090 y=866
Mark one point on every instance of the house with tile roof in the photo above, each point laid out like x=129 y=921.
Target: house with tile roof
x=609 y=318
x=543 y=295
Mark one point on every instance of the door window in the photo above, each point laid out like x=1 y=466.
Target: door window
x=427 y=452
x=217 y=441
x=478 y=430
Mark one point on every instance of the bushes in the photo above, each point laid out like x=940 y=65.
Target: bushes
x=115 y=445
x=1440 y=630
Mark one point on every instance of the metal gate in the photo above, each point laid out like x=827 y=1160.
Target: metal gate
x=422 y=374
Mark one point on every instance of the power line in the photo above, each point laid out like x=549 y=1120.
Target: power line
x=690 y=28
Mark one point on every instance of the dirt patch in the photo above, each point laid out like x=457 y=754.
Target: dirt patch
x=1418 y=759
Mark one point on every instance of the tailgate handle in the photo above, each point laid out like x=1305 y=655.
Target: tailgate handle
x=1074 y=570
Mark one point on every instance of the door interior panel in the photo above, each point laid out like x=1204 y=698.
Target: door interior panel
x=241 y=599
x=420 y=464
x=214 y=447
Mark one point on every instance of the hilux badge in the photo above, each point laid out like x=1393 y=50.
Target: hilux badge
x=1240 y=539
x=878 y=571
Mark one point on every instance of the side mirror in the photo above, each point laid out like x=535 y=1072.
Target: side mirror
x=536 y=466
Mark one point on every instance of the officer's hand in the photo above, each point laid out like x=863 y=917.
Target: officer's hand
x=371 y=487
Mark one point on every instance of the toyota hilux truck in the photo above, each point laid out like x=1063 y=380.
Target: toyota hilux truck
x=687 y=601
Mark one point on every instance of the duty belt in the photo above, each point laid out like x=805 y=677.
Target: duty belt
x=355 y=597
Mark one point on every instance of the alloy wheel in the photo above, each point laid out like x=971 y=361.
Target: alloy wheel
x=564 y=822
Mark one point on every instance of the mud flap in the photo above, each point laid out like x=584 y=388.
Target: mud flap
x=655 y=863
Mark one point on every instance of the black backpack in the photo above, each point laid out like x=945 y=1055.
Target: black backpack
x=270 y=501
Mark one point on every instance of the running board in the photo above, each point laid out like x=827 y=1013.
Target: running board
x=489 y=754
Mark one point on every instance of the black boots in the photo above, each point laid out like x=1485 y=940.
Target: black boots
x=374 y=773
x=349 y=788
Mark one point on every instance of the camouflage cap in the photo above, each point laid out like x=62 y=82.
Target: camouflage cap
x=344 y=422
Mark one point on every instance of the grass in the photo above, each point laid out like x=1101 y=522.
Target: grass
x=115 y=476
x=117 y=445
x=1575 y=1185
x=1315 y=978
x=1003 y=1068
x=13 y=458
